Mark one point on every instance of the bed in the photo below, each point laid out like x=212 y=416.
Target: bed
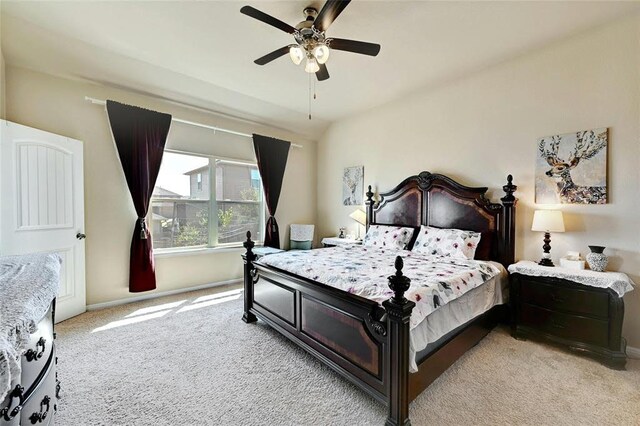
x=390 y=347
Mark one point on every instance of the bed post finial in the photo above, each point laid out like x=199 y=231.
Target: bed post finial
x=398 y=282
x=398 y=313
x=509 y=189
x=508 y=248
x=369 y=204
x=249 y=244
x=248 y=259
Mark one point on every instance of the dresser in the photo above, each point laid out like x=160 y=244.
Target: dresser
x=33 y=397
x=29 y=384
x=582 y=318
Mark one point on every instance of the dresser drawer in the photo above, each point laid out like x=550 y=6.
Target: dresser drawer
x=40 y=404
x=557 y=297
x=571 y=327
x=10 y=407
x=37 y=351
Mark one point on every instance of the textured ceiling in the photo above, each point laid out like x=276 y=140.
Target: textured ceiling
x=202 y=52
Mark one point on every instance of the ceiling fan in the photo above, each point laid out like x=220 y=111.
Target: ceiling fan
x=311 y=43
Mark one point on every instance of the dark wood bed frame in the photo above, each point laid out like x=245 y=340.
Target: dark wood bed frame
x=364 y=342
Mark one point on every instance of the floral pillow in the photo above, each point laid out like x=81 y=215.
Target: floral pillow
x=384 y=236
x=447 y=242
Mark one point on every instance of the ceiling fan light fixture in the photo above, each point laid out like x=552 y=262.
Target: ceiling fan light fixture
x=296 y=54
x=321 y=52
x=311 y=66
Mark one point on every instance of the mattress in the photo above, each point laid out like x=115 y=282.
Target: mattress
x=457 y=313
x=448 y=292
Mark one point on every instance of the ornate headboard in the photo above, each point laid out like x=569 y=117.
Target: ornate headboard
x=437 y=200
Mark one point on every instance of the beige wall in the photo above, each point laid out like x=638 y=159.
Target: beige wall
x=483 y=127
x=57 y=105
x=2 y=85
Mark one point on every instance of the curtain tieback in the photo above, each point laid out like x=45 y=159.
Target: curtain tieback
x=143 y=228
x=272 y=221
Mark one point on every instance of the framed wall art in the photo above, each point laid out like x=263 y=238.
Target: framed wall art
x=353 y=186
x=572 y=168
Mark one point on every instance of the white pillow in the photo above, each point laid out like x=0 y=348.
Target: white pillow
x=447 y=242
x=387 y=236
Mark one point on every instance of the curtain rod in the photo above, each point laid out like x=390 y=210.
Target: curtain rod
x=190 y=123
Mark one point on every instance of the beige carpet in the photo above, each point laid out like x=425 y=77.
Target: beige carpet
x=190 y=360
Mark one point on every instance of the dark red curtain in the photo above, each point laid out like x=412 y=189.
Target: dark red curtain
x=272 y=156
x=140 y=136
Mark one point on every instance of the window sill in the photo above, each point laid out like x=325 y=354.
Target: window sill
x=238 y=248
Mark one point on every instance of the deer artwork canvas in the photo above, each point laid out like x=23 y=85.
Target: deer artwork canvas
x=572 y=168
x=352 y=186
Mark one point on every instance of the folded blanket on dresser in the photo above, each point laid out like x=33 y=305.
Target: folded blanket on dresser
x=435 y=280
x=28 y=284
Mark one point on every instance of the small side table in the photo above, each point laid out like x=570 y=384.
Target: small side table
x=336 y=241
x=264 y=251
x=552 y=306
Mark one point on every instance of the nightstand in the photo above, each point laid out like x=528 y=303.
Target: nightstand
x=336 y=241
x=265 y=251
x=562 y=311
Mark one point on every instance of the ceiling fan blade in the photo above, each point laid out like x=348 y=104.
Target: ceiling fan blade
x=354 y=46
x=267 y=19
x=322 y=73
x=329 y=13
x=273 y=55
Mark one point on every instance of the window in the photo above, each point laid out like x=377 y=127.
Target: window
x=203 y=201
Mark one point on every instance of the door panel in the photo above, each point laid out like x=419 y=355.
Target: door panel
x=44 y=185
x=42 y=205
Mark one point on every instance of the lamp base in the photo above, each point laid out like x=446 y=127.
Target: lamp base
x=546 y=248
x=546 y=262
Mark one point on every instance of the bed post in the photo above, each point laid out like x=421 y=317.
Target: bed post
x=248 y=259
x=369 y=204
x=398 y=313
x=508 y=223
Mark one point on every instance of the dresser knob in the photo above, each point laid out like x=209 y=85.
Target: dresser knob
x=17 y=393
x=32 y=355
x=42 y=415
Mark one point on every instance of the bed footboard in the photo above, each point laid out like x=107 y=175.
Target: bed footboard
x=363 y=342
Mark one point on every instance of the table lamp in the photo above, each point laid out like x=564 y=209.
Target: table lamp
x=360 y=217
x=547 y=221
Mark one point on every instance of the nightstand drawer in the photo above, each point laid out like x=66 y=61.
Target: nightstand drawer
x=565 y=299
x=572 y=327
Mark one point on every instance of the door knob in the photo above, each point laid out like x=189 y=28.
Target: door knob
x=80 y=236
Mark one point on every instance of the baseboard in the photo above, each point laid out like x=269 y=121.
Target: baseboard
x=633 y=353
x=118 y=302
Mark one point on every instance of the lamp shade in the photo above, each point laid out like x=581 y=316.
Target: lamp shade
x=359 y=216
x=547 y=221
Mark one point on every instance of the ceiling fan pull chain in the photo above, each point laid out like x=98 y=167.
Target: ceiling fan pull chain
x=314 y=89
x=309 y=96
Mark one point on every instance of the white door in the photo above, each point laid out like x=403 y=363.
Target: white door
x=42 y=205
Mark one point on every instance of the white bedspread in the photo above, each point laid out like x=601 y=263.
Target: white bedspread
x=462 y=310
x=435 y=280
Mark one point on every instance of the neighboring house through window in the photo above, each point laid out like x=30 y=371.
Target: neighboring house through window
x=204 y=201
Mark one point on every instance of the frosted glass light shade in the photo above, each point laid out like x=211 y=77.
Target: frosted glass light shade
x=296 y=54
x=547 y=221
x=321 y=52
x=359 y=216
x=312 y=66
